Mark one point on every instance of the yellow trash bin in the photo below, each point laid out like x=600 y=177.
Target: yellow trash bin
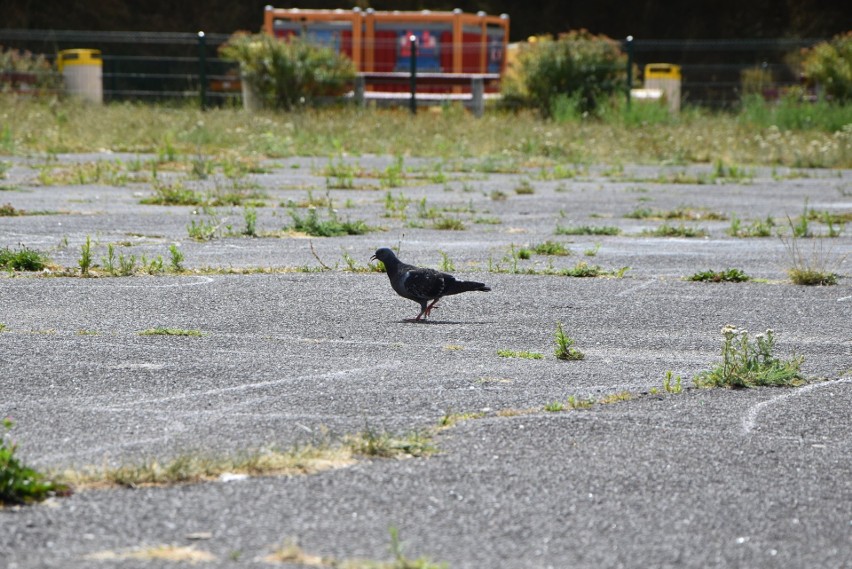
x=665 y=77
x=82 y=70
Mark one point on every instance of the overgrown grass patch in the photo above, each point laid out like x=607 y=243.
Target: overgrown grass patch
x=667 y=230
x=331 y=226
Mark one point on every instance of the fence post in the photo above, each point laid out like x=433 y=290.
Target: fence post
x=629 y=68
x=202 y=70
x=477 y=91
x=412 y=42
x=360 y=89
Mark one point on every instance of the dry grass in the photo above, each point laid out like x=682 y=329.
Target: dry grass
x=170 y=553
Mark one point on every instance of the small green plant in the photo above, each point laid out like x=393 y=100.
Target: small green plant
x=448 y=224
x=3 y=327
x=587 y=230
x=401 y=561
x=340 y=174
x=172 y=194
x=498 y=195
x=108 y=262
x=7 y=210
x=396 y=206
x=575 y=403
x=592 y=251
x=85 y=260
x=554 y=406
x=250 y=217
x=750 y=363
x=175 y=258
x=813 y=268
x=666 y=230
x=519 y=354
x=20 y=484
x=672 y=384
x=24 y=259
x=394 y=175
x=757 y=228
x=728 y=276
x=372 y=443
x=524 y=188
x=565 y=349
x=160 y=331
x=446 y=263
x=551 y=248
x=330 y=227
x=126 y=265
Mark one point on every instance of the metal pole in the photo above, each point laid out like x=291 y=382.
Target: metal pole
x=629 y=68
x=412 y=42
x=202 y=70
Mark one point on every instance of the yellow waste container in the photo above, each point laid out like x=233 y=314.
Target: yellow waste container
x=665 y=77
x=82 y=70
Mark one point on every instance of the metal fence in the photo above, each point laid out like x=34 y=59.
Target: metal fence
x=157 y=66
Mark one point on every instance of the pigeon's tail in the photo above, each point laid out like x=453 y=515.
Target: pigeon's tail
x=465 y=286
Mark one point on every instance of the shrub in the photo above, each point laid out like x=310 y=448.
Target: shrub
x=829 y=64
x=286 y=73
x=575 y=72
x=23 y=259
x=23 y=71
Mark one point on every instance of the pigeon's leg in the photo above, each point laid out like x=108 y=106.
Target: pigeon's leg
x=431 y=306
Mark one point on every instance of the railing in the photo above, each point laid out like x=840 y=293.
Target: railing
x=170 y=66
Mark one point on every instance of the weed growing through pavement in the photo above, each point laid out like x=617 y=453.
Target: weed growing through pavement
x=311 y=224
x=551 y=248
x=3 y=327
x=175 y=258
x=672 y=384
x=565 y=349
x=587 y=230
x=524 y=188
x=519 y=354
x=20 y=484
x=250 y=217
x=448 y=223
x=24 y=259
x=446 y=263
x=727 y=276
x=173 y=194
x=757 y=228
x=160 y=331
x=394 y=175
x=811 y=268
x=554 y=407
x=666 y=230
x=575 y=403
x=592 y=251
x=750 y=363
x=85 y=261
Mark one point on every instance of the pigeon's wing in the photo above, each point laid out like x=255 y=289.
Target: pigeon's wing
x=426 y=284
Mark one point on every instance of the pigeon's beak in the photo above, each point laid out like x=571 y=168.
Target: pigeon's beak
x=373 y=258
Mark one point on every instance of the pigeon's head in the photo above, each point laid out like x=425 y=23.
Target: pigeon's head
x=384 y=255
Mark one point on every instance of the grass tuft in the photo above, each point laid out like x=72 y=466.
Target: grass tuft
x=20 y=484
x=565 y=349
x=24 y=259
x=728 y=276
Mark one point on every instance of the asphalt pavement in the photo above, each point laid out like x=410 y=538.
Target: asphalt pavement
x=291 y=354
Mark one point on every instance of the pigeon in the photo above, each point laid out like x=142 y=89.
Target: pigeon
x=420 y=284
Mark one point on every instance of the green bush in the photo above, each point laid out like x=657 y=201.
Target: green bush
x=572 y=75
x=829 y=65
x=286 y=73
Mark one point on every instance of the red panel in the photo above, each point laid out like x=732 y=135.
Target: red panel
x=472 y=46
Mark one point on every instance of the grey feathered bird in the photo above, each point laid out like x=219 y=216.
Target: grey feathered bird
x=420 y=284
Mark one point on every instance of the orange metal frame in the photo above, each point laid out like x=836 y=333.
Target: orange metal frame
x=363 y=26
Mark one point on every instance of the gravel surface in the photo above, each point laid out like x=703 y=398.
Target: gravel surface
x=291 y=355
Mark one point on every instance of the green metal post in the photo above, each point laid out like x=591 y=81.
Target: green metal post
x=629 y=46
x=202 y=70
x=412 y=41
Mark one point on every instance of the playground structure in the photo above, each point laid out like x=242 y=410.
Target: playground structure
x=451 y=48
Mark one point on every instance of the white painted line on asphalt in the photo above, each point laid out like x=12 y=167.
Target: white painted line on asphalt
x=637 y=288
x=104 y=284
x=750 y=419
x=844 y=299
